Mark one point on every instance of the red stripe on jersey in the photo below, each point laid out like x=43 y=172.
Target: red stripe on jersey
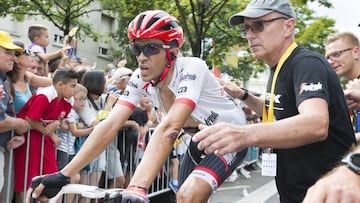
x=126 y=103
x=211 y=172
x=188 y=102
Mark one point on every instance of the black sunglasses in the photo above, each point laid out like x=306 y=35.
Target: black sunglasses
x=148 y=49
x=126 y=75
x=25 y=52
x=257 y=26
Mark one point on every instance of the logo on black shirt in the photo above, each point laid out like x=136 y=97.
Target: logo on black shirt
x=310 y=87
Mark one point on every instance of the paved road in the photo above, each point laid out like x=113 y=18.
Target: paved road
x=256 y=189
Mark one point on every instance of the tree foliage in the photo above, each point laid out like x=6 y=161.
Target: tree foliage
x=205 y=24
x=63 y=14
x=209 y=36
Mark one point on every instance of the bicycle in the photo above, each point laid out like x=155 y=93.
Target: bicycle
x=89 y=191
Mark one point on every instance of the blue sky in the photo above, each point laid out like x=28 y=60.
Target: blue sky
x=345 y=12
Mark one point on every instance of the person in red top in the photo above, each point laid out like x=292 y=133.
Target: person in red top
x=44 y=111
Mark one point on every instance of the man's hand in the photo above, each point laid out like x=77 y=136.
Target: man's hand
x=46 y=186
x=15 y=142
x=340 y=185
x=133 y=194
x=212 y=140
x=22 y=126
x=231 y=88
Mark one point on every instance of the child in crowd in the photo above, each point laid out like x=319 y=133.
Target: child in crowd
x=39 y=37
x=68 y=131
x=94 y=81
x=44 y=111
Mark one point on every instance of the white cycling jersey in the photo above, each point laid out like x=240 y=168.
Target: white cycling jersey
x=194 y=85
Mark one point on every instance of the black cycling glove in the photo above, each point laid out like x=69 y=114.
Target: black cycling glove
x=53 y=183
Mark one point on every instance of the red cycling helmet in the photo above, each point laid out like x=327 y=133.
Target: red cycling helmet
x=156 y=24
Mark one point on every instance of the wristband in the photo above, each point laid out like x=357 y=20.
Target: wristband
x=246 y=94
x=137 y=188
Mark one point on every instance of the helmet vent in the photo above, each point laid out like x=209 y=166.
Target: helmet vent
x=151 y=22
x=169 y=26
x=140 y=22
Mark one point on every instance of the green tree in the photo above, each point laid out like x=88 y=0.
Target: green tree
x=64 y=14
x=205 y=23
x=208 y=34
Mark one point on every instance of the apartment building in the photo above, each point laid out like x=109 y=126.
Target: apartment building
x=94 y=52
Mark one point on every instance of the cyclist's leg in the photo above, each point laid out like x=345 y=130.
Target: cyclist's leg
x=191 y=186
x=207 y=176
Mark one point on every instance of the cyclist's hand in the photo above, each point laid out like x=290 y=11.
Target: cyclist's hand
x=133 y=194
x=48 y=185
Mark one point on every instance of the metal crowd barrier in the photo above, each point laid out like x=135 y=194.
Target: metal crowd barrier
x=159 y=186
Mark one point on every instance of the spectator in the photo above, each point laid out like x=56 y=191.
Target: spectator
x=306 y=123
x=75 y=126
x=44 y=111
x=114 y=172
x=343 y=53
x=69 y=130
x=40 y=67
x=22 y=80
x=129 y=132
x=342 y=50
x=66 y=150
x=39 y=37
x=8 y=122
x=119 y=79
x=94 y=81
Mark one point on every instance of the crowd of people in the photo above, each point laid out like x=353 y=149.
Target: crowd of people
x=306 y=132
x=52 y=103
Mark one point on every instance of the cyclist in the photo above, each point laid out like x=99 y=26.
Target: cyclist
x=187 y=93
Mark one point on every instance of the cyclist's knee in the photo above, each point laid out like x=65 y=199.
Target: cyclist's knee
x=194 y=191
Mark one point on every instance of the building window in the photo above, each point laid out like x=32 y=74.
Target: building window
x=103 y=51
x=58 y=40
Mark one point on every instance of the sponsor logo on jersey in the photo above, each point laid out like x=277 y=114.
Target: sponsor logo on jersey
x=229 y=158
x=305 y=87
x=212 y=118
x=182 y=90
x=132 y=84
x=187 y=77
x=126 y=93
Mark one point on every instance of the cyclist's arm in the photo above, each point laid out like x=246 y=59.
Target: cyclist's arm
x=160 y=145
x=100 y=137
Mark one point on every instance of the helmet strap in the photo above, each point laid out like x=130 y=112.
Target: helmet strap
x=164 y=73
x=166 y=69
